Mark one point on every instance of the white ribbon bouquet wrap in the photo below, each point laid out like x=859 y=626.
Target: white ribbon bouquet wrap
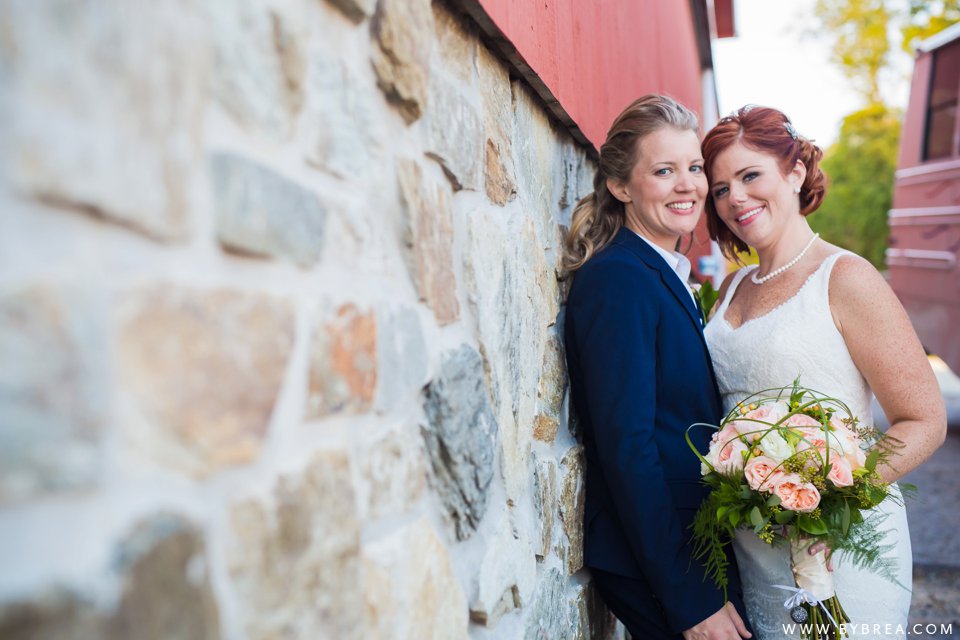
x=795 y=465
x=814 y=583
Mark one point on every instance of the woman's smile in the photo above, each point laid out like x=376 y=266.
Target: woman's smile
x=751 y=215
x=683 y=208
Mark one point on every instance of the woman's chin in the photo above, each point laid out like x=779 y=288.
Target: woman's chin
x=749 y=234
x=688 y=226
x=746 y=238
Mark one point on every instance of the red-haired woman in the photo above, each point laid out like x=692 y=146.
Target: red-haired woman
x=812 y=309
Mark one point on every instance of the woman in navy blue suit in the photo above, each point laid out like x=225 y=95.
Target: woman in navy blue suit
x=640 y=374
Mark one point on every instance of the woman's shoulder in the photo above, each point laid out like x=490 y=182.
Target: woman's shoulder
x=856 y=285
x=610 y=273
x=613 y=261
x=852 y=271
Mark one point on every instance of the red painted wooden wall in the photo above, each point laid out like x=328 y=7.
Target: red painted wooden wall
x=597 y=57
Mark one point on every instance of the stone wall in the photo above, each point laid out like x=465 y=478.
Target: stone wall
x=280 y=328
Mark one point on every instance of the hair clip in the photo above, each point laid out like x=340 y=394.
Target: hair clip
x=790 y=129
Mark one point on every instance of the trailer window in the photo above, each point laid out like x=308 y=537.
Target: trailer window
x=940 y=140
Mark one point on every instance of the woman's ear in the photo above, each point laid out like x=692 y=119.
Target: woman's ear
x=797 y=175
x=619 y=190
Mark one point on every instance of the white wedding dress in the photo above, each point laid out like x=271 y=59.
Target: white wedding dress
x=799 y=337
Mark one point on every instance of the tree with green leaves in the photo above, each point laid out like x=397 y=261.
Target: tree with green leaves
x=861 y=46
x=860 y=166
x=926 y=18
x=860 y=33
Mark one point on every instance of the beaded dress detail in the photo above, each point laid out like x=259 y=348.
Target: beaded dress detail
x=799 y=337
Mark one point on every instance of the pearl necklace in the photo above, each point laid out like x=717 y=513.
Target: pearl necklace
x=778 y=271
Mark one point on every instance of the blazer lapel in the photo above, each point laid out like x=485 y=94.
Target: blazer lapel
x=667 y=275
x=651 y=258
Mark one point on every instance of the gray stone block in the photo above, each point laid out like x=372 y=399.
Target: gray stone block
x=264 y=213
x=53 y=391
x=460 y=436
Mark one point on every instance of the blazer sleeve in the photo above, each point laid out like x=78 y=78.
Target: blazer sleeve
x=615 y=328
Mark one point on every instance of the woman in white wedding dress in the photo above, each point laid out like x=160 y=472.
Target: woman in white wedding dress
x=825 y=314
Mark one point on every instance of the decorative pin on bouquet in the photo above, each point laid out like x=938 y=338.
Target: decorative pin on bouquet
x=796 y=465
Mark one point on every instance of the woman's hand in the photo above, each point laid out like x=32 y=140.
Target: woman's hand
x=725 y=624
x=817 y=547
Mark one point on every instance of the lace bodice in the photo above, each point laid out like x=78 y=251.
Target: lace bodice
x=798 y=337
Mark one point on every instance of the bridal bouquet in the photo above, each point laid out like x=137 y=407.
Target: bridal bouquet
x=795 y=466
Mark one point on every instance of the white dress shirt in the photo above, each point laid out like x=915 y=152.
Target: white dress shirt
x=677 y=261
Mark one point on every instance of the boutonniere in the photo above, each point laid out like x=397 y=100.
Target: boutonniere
x=706 y=296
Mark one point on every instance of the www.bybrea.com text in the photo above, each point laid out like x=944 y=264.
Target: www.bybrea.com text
x=864 y=630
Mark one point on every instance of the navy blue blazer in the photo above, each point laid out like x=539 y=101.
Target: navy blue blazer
x=640 y=374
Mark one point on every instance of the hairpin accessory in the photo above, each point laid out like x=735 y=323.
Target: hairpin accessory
x=790 y=129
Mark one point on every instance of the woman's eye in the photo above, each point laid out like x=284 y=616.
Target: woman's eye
x=719 y=192
x=751 y=176
x=663 y=172
x=697 y=168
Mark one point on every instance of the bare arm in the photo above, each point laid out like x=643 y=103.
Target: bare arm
x=888 y=353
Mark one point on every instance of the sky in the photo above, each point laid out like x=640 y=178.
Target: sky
x=779 y=60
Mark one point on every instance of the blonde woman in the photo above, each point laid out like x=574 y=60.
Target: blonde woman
x=640 y=374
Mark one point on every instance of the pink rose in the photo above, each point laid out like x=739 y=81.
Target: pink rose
x=728 y=433
x=762 y=473
x=813 y=438
x=802 y=420
x=851 y=445
x=857 y=458
x=797 y=495
x=841 y=473
x=730 y=456
x=842 y=443
x=752 y=431
x=767 y=415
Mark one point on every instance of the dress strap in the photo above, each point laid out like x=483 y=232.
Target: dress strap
x=826 y=268
x=732 y=289
x=832 y=260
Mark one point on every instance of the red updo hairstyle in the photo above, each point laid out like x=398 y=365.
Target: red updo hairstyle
x=768 y=131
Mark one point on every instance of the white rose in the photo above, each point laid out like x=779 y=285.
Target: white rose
x=774 y=446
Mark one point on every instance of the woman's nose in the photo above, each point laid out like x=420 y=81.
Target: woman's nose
x=737 y=194
x=685 y=183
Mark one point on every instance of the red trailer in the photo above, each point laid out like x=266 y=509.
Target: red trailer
x=925 y=218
